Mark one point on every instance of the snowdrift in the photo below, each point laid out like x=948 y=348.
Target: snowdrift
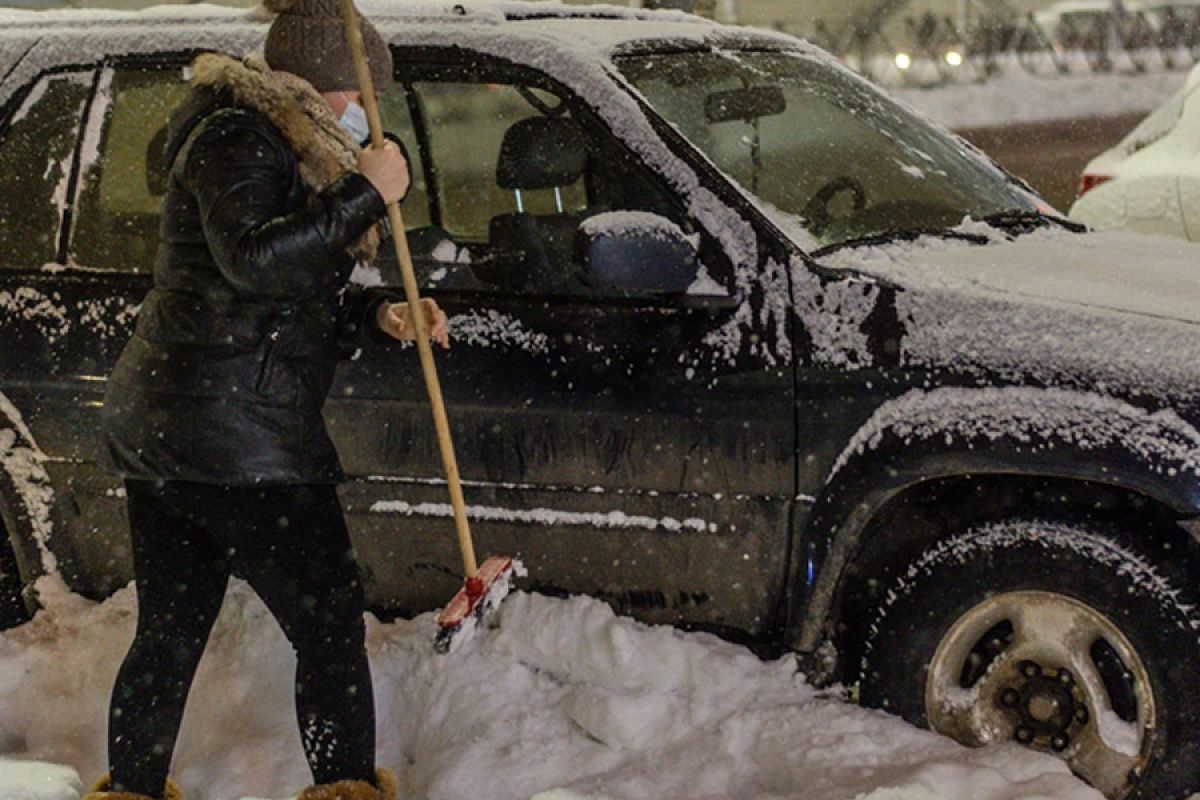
x=563 y=700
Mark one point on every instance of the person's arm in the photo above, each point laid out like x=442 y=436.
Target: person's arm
x=357 y=315
x=241 y=175
x=381 y=315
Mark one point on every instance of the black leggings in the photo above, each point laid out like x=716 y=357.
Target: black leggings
x=290 y=544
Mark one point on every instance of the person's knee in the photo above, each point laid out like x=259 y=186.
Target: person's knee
x=177 y=623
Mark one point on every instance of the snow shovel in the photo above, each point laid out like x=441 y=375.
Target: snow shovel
x=484 y=587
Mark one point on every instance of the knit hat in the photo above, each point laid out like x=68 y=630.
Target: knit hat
x=308 y=38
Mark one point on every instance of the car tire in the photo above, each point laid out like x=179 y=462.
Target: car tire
x=12 y=605
x=1060 y=635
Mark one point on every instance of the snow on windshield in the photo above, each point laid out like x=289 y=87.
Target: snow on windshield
x=819 y=146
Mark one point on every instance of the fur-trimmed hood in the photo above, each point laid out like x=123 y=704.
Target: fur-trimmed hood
x=324 y=149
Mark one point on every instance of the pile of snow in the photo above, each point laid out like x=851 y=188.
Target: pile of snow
x=31 y=780
x=563 y=700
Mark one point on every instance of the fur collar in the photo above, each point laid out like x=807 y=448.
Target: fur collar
x=323 y=148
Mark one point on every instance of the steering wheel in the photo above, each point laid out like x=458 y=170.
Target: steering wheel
x=816 y=210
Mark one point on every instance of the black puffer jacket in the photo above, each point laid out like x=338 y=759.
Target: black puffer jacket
x=236 y=345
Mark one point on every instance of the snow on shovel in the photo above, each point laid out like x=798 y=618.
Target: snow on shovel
x=484 y=587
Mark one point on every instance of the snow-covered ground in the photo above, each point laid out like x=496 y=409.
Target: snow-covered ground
x=1020 y=97
x=562 y=701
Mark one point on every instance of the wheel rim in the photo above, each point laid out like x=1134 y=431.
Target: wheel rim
x=1051 y=673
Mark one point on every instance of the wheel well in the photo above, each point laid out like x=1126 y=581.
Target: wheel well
x=935 y=509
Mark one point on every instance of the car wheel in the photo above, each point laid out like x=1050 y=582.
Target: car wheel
x=1059 y=636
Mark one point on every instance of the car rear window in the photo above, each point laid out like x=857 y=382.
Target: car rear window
x=37 y=151
x=123 y=171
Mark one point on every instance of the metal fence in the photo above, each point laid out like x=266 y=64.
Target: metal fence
x=928 y=50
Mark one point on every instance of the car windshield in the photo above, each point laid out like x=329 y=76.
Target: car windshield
x=821 y=148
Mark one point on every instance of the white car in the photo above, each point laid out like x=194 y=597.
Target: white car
x=1150 y=182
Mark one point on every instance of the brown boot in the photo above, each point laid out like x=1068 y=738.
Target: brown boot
x=101 y=792
x=352 y=790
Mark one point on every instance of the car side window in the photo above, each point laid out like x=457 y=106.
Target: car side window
x=514 y=174
x=396 y=114
x=467 y=126
x=37 y=151
x=124 y=174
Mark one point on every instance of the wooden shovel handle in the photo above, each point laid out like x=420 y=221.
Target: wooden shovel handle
x=412 y=294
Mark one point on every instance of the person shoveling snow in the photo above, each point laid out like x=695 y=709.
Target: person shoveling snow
x=213 y=412
x=562 y=695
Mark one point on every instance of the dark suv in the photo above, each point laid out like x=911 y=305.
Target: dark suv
x=740 y=344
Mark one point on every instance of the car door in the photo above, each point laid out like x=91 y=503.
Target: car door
x=39 y=132
x=634 y=446
x=113 y=239
x=73 y=307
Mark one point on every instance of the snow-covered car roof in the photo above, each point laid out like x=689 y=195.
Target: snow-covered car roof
x=597 y=28
x=581 y=37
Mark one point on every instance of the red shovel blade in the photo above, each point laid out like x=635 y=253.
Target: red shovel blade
x=479 y=596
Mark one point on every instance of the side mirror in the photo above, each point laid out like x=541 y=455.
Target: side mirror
x=637 y=250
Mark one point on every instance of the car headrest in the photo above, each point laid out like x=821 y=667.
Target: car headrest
x=541 y=153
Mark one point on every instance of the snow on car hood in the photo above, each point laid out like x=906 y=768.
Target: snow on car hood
x=1109 y=312
x=1149 y=275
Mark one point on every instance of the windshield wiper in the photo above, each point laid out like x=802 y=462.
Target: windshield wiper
x=905 y=235
x=1024 y=220
x=1010 y=221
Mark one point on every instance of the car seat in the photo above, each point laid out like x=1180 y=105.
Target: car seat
x=536 y=251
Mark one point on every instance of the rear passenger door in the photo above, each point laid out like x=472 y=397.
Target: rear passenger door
x=602 y=435
x=111 y=247
x=78 y=234
x=39 y=132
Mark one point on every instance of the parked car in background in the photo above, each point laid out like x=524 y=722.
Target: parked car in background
x=1150 y=181
x=740 y=344
x=1093 y=25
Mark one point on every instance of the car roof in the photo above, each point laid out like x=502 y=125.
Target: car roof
x=603 y=27
x=550 y=35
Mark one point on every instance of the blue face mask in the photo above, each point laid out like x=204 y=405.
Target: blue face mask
x=354 y=120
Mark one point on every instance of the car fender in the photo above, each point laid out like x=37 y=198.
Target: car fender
x=27 y=500
x=947 y=432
